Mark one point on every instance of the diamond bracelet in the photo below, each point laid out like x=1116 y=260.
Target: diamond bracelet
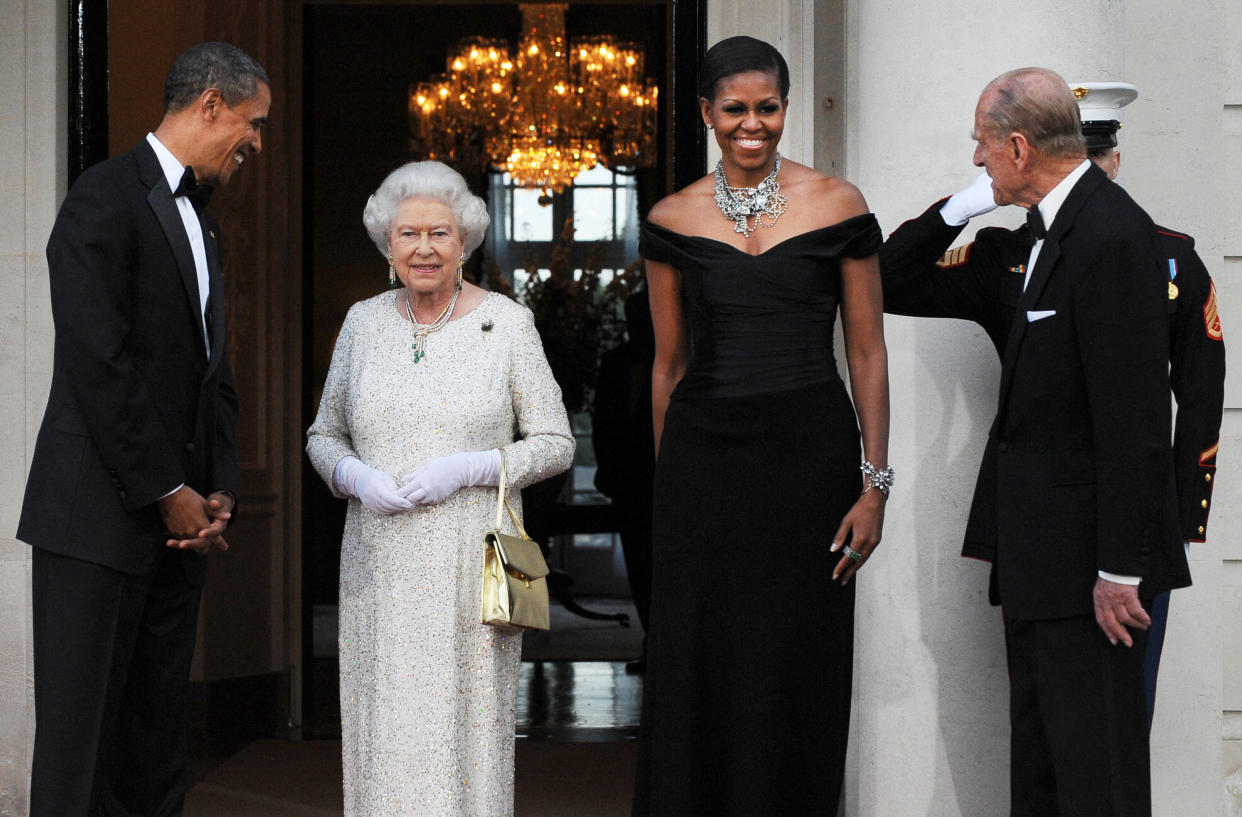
x=879 y=478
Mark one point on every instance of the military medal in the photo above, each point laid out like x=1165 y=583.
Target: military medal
x=1173 y=291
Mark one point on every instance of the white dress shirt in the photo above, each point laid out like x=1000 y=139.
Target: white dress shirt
x=1048 y=208
x=173 y=171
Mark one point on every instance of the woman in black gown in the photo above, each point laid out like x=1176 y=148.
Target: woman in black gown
x=761 y=515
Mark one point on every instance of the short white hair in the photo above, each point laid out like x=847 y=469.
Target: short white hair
x=430 y=179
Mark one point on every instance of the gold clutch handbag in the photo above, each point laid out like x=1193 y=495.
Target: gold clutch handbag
x=515 y=585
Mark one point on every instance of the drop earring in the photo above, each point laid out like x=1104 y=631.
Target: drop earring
x=392 y=274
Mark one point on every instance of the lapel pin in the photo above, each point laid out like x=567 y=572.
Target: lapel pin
x=487 y=325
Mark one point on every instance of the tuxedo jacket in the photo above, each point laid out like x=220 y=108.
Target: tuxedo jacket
x=1077 y=474
x=982 y=281
x=136 y=405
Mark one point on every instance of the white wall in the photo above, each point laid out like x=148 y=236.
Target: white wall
x=32 y=150
x=1182 y=159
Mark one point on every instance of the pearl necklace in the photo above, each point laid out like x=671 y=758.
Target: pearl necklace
x=741 y=203
x=422 y=330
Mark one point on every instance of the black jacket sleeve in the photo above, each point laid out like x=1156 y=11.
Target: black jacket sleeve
x=1197 y=375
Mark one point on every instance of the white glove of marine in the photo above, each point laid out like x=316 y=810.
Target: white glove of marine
x=435 y=481
x=377 y=490
x=973 y=201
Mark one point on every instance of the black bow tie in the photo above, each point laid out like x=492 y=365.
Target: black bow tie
x=198 y=194
x=1035 y=221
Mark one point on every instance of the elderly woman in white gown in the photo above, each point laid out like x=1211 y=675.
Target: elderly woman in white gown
x=431 y=384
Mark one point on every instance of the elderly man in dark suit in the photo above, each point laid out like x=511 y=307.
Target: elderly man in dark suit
x=134 y=474
x=982 y=282
x=1075 y=504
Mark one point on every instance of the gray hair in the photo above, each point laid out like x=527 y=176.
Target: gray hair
x=1038 y=104
x=222 y=66
x=433 y=180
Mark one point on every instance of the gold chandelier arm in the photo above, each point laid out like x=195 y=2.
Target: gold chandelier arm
x=545 y=112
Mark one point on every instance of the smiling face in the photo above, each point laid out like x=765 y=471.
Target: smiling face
x=748 y=116
x=233 y=135
x=425 y=245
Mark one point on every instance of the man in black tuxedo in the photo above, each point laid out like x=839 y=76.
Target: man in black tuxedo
x=1075 y=504
x=134 y=475
x=982 y=282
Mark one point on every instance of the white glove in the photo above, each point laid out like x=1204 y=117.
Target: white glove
x=973 y=201
x=435 y=481
x=377 y=490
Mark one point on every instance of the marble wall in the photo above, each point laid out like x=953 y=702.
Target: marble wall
x=32 y=183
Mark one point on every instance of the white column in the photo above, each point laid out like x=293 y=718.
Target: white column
x=32 y=174
x=930 y=724
x=1182 y=159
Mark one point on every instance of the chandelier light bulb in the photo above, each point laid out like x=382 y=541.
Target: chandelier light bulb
x=552 y=113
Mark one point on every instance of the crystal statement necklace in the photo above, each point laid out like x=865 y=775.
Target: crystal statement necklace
x=422 y=330
x=739 y=204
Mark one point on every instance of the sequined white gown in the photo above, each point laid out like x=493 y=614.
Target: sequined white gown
x=428 y=693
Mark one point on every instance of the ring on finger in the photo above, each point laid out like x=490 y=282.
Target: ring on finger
x=853 y=554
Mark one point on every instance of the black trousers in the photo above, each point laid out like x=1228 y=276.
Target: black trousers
x=112 y=659
x=1078 y=715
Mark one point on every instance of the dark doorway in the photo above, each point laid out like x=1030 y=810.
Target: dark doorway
x=357 y=64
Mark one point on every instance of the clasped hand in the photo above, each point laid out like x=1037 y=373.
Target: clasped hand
x=195 y=523
x=429 y=485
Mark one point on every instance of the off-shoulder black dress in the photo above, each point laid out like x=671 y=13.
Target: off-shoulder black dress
x=750 y=649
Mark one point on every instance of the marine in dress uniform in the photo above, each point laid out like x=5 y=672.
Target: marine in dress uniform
x=982 y=281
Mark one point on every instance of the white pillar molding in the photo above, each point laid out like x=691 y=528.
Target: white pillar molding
x=789 y=25
x=33 y=64
x=1182 y=150
x=930 y=728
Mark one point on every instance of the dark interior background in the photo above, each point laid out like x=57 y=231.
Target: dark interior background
x=359 y=61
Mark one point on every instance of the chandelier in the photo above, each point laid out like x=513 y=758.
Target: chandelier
x=544 y=114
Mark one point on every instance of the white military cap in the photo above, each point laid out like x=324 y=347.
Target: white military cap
x=1099 y=106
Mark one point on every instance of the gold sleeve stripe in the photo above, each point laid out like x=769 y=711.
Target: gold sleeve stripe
x=1208 y=457
x=955 y=257
x=1211 y=317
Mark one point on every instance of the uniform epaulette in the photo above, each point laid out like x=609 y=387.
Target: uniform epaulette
x=1172 y=233
x=1168 y=235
